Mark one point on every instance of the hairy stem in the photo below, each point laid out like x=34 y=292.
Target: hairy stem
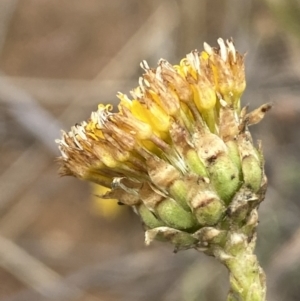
x=246 y=277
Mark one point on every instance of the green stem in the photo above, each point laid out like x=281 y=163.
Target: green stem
x=246 y=277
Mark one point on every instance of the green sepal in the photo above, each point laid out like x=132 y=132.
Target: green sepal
x=175 y=216
x=178 y=190
x=210 y=213
x=195 y=164
x=252 y=172
x=149 y=219
x=224 y=176
x=234 y=155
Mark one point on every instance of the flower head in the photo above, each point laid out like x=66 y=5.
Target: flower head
x=179 y=151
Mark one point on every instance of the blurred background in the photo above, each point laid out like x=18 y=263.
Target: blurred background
x=58 y=60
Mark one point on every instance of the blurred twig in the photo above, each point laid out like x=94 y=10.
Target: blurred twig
x=153 y=267
x=21 y=173
x=27 y=111
x=61 y=92
x=20 y=216
x=34 y=273
x=146 y=41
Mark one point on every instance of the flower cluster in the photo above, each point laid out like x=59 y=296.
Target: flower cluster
x=179 y=151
